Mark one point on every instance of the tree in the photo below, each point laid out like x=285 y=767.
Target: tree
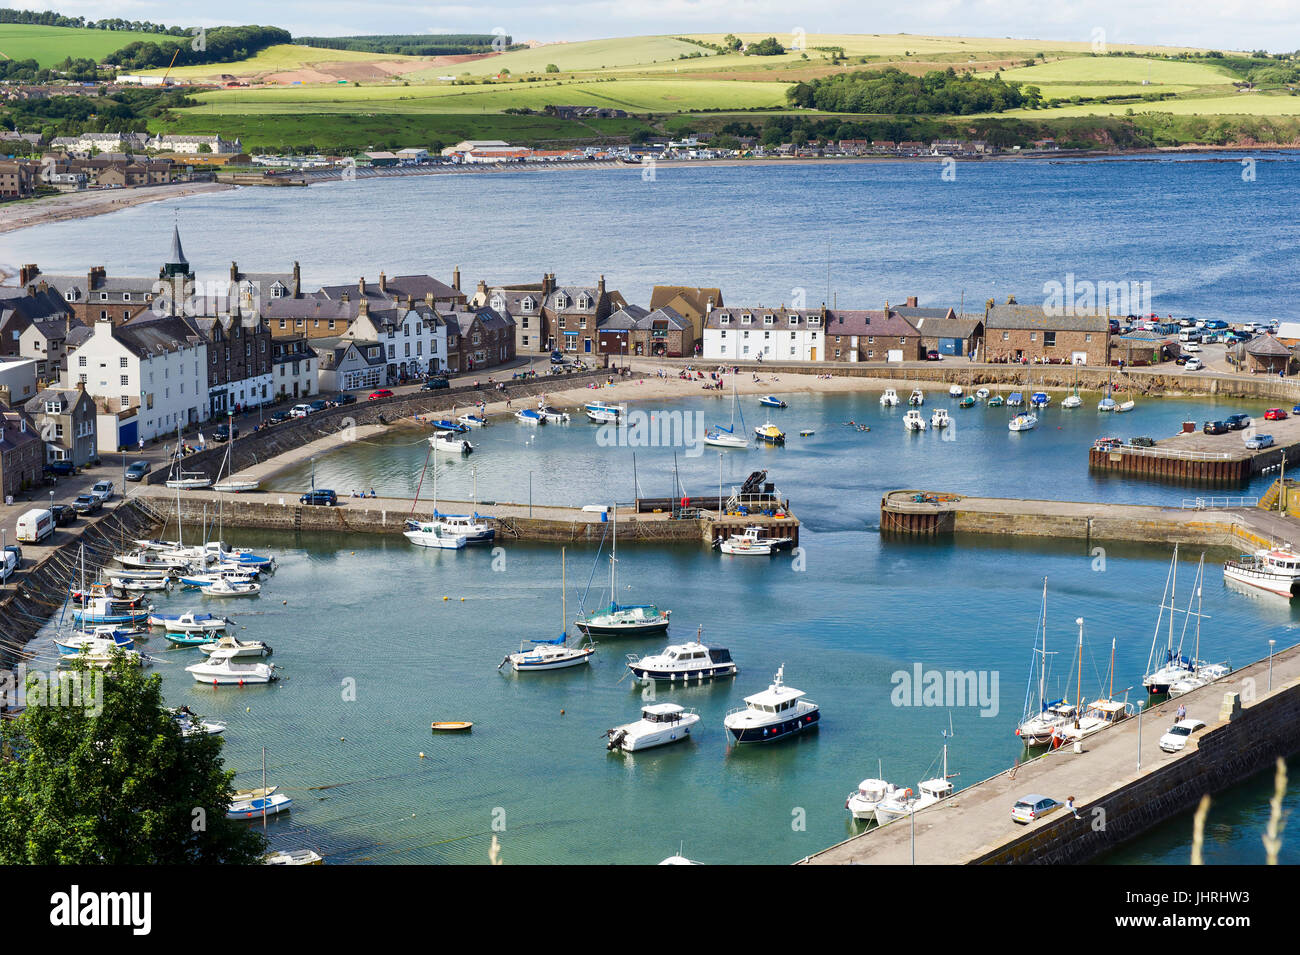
x=113 y=781
x=768 y=47
x=552 y=68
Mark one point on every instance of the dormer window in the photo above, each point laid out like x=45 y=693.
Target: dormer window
x=528 y=304
x=794 y=320
x=746 y=319
x=584 y=302
x=126 y=296
x=561 y=300
x=814 y=320
x=725 y=319
x=54 y=407
x=767 y=319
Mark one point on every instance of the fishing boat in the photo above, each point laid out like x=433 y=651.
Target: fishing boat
x=916 y=398
x=772 y=401
x=683 y=661
x=447 y=426
x=720 y=437
x=772 y=714
x=618 y=620
x=1275 y=569
x=222 y=669
x=939 y=418
x=889 y=399
x=955 y=391
x=769 y=433
x=982 y=394
x=997 y=401
x=914 y=421
x=471 y=420
x=293 y=857
x=599 y=412
x=660 y=724
x=862 y=802
x=1043 y=716
x=753 y=543
x=529 y=416
x=1025 y=421
x=1040 y=399
x=238 y=648
x=555 y=653
x=189 y=622
x=222 y=587
x=1015 y=399
x=257 y=808
x=449 y=443
x=967 y=402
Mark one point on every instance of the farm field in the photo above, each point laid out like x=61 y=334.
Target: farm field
x=580 y=57
x=1236 y=104
x=286 y=58
x=50 y=45
x=1119 y=69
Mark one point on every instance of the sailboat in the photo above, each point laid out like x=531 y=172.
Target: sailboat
x=1073 y=401
x=1099 y=714
x=434 y=533
x=641 y=620
x=1202 y=673
x=182 y=479
x=1108 y=403
x=553 y=654
x=1173 y=666
x=231 y=484
x=1042 y=717
x=932 y=791
x=1025 y=420
x=720 y=437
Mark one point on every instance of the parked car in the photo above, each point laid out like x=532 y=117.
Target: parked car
x=281 y=416
x=299 y=411
x=1275 y=414
x=1193 y=364
x=1259 y=442
x=60 y=467
x=381 y=393
x=433 y=384
x=557 y=357
x=1034 y=806
x=103 y=490
x=320 y=404
x=345 y=398
x=1215 y=427
x=933 y=355
x=63 y=514
x=87 y=504
x=1191 y=347
x=1176 y=739
x=136 y=470
x=319 y=496
x=225 y=432
x=1217 y=324
x=1237 y=422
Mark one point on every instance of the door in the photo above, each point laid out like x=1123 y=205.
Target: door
x=812 y=353
x=586 y=345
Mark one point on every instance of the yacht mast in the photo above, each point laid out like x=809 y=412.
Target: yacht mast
x=613 y=557
x=1078 y=690
x=1042 y=663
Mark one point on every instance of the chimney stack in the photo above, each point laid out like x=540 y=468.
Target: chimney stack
x=428 y=299
x=343 y=298
x=297 y=281
x=455 y=278
x=600 y=287
x=363 y=307
x=911 y=301
x=234 y=272
x=361 y=286
x=482 y=289
x=27 y=273
x=383 y=282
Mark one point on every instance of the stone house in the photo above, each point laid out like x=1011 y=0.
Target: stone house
x=294 y=368
x=65 y=420
x=692 y=304
x=572 y=313
x=22 y=452
x=1027 y=333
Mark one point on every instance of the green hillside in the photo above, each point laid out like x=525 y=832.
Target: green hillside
x=51 y=45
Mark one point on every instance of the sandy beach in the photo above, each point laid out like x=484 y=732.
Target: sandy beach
x=82 y=205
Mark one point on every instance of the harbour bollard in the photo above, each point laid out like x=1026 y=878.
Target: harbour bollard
x=1078 y=746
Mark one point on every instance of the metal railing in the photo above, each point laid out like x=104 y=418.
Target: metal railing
x=1206 y=503
x=1158 y=452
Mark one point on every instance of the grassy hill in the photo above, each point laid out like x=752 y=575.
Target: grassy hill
x=50 y=45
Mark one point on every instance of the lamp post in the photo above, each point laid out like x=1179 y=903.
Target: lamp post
x=1271 y=643
x=530 y=493
x=1141 y=705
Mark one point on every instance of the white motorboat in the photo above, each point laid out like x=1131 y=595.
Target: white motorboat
x=889 y=399
x=720 y=437
x=472 y=421
x=914 y=421
x=683 y=661
x=903 y=803
x=134 y=584
x=473 y=527
x=1025 y=421
x=222 y=669
x=753 y=543
x=450 y=443
x=293 y=857
x=240 y=556
x=916 y=398
x=529 y=416
x=433 y=534
x=939 y=418
x=772 y=714
x=257 y=808
x=189 y=481
x=1275 y=569
x=238 y=648
x=552 y=654
x=982 y=394
x=223 y=587
x=1126 y=406
x=598 y=412
x=955 y=391
x=189 y=622
x=862 y=802
x=553 y=415
x=659 y=725
x=100 y=652
x=151 y=560
x=1072 y=401
x=192 y=725
x=236 y=485
x=234 y=575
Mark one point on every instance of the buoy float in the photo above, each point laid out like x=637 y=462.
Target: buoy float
x=445 y=598
x=422 y=756
x=561 y=712
x=248 y=709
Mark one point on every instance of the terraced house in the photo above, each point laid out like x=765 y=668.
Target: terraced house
x=478 y=338
x=329 y=312
x=572 y=313
x=65 y=420
x=758 y=332
x=523 y=303
x=22 y=455
x=95 y=296
x=412 y=336
x=634 y=330
x=1027 y=333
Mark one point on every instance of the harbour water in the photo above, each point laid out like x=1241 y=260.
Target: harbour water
x=372 y=652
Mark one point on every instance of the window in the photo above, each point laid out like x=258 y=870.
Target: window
x=81 y=362
x=794 y=320
x=126 y=380
x=1087 y=338
x=724 y=320
x=767 y=319
x=121 y=363
x=1033 y=336
x=81 y=378
x=746 y=318
x=282 y=323
x=1006 y=336
x=126 y=296
x=1049 y=339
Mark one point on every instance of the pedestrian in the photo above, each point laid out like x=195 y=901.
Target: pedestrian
x=1182 y=712
x=1069 y=804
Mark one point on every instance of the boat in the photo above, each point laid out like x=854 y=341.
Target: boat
x=1170 y=665
x=257 y=808
x=129 y=582
x=471 y=420
x=1015 y=399
x=100 y=654
x=997 y=401
x=189 y=481
x=955 y=391
x=259 y=792
x=617 y=620
x=451 y=726
x=183 y=639
x=189 y=622
x=234 y=575
x=97 y=610
x=720 y=437
x=240 y=556
x=683 y=661
x=293 y=857
x=659 y=725
x=447 y=426
x=1042 y=716
x=862 y=802
x=916 y=398
x=556 y=653
x=433 y=534
x=931 y=792
x=222 y=669
x=982 y=394
x=1275 y=569
x=939 y=418
x=554 y=415
x=529 y=416
x=598 y=412
x=1072 y=401
x=1126 y=406
x=807 y=433
x=769 y=433
x=1107 y=403
x=889 y=399
x=191 y=725
x=99 y=637
x=1099 y=714
x=1040 y=399
x=967 y=402
x=450 y=444
x=447 y=531
x=1203 y=674
x=914 y=421
x=238 y=648
x=772 y=714
x=151 y=560
x=752 y=543
x=1025 y=421
x=772 y=401
x=223 y=587
x=236 y=486
x=473 y=527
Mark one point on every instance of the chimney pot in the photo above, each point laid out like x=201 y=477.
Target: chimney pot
x=361 y=285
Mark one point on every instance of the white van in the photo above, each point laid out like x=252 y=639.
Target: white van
x=1189 y=335
x=35 y=525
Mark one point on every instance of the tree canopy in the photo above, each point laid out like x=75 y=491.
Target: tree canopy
x=891 y=91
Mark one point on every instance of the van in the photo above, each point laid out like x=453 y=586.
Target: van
x=35 y=525
x=1189 y=335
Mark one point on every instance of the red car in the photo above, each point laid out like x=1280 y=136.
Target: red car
x=1274 y=414
x=381 y=393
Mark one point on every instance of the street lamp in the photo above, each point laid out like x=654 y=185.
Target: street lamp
x=1141 y=706
x=1270 y=665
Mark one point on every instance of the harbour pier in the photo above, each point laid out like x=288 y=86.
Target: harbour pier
x=1122 y=782
x=1195 y=457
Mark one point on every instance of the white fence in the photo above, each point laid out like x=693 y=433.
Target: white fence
x=1205 y=503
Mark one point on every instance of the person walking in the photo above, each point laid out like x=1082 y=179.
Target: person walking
x=1182 y=712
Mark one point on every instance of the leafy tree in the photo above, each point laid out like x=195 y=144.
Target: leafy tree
x=115 y=783
x=552 y=68
x=732 y=42
x=769 y=47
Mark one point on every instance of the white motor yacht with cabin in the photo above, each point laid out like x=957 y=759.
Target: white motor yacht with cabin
x=659 y=725
x=939 y=418
x=683 y=661
x=1275 y=569
x=916 y=398
x=889 y=399
x=772 y=714
x=914 y=421
x=752 y=542
x=223 y=669
x=433 y=534
x=449 y=443
x=600 y=412
x=955 y=391
x=189 y=622
x=862 y=802
x=238 y=648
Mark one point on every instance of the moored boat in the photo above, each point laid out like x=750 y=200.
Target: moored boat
x=862 y=802
x=222 y=669
x=256 y=808
x=685 y=662
x=914 y=421
x=450 y=443
x=529 y=416
x=772 y=401
x=660 y=724
x=1275 y=569
x=889 y=399
x=916 y=398
x=769 y=433
x=772 y=714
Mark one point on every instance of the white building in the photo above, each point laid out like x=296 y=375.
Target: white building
x=773 y=334
x=18 y=378
x=295 y=369
x=413 y=339
x=194 y=144
x=158 y=367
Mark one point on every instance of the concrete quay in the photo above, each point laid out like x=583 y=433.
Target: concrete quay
x=1122 y=782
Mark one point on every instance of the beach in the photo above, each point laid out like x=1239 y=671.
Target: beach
x=82 y=205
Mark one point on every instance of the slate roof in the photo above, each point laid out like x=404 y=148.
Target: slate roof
x=148 y=335
x=662 y=295
x=944 y=327
x=624 y=319
x=1034 y=318
x=1266 y=346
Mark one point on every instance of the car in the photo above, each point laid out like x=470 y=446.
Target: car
x=933 y=355
x=63 y=514
x=345 y=398
x=1275 y=414
x=1216 y=427
x=1181 y=360
x=1193 y=364
x=1296 y=409
x=1191 y=347
x=381 y=393
x=1034 y=806
x=1176 y=739
x=319 y=496
x=1259 y=442
x=136 y=470
x=281 y=416
x=1216 y=324
x=557 y=357
x=320 y=404
x=300 y=411
x=433 y=384
x=103 y=490
x=87 y=504
x=225 y=432
x=9 y=561
x=1237 y=422
x=63 y=468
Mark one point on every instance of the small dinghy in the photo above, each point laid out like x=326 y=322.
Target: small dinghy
x=256 y=808
x=237 y=648
x=191 y=725
x=449 y=426
x=451 y=726
x=982 y=394
x=293 y=857
x=772 y=401
x=967 y=402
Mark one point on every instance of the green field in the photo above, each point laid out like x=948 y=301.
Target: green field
x=51 y=45
x=282 y=58
x=580 y=57
x=1119 y=69
x=1237 y=104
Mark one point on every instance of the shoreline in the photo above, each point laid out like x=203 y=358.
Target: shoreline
x=68 y=206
